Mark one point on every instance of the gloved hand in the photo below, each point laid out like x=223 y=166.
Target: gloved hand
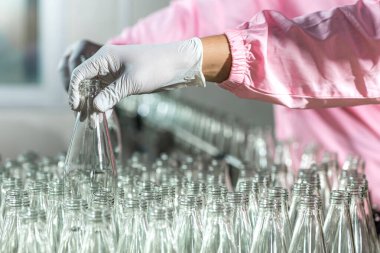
x=139 y=69
x=73 y=56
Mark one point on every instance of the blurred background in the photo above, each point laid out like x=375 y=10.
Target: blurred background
x=33 y=36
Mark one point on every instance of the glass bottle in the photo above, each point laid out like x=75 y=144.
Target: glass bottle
x=250 y=189
x=338 y=228
x=55 y=213
x=240 y=220
x=7 y=184
x=38 y=195
x=299 y=189
x=188 y=232
x=16 y=201
x=278 y=194
x=159 y=238
x=32 y=239
x=218 y=235
x=269 y=235
x=73 y=227
x=369 y=215
x=97 y=237
x=133 y=227
x=361 y=234
x=308 y=234
x=90 y=152
x=322 y=172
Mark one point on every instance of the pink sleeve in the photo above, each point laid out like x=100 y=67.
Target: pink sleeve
x=184 y=19
x=325 y=59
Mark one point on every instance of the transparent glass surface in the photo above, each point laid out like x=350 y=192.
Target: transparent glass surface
x=218 y=233
x=338 y=228
x=90 y=154
x=308 y=233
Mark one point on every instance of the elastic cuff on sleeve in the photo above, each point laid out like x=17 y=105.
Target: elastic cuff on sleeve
x=240 y=52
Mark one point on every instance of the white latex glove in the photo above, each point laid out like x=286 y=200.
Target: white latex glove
x=73 y=56
x=139 y=69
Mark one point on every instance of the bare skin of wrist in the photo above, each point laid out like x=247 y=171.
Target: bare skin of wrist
x=217 y=59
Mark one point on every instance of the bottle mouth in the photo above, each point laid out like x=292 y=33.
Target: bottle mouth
x=158 y=213
x=190 y=200
x=73 y=204
x=237 y=198
x=98 y=215
x=29 y=214
x=339 y=196
x=312 y=201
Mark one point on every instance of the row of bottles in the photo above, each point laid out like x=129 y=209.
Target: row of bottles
x=172 y=208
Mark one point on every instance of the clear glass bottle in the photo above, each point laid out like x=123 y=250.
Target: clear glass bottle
x=361 y=234
x=160 y=236
x=133 y=227
x=73 y=227
x=338 y=228
x=218 y=233
x=55 y=213
x=322 y=172
x=241 y=226
x=299 y=189
x=369 y=215
x=8 y=183
x=308 y=233
x=90 y=152
x=251 y=189
x=269 y=235
x=188 y=232
x=38 y=195
x=32 y=239
x=16 y=201
x=97 y=237
x=278 y=194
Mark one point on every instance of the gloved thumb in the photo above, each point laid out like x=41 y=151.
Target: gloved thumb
x=87 y=70
x=109 y=96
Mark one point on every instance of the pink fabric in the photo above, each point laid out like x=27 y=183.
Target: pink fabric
x=325 y=59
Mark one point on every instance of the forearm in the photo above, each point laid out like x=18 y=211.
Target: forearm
x=217 y=58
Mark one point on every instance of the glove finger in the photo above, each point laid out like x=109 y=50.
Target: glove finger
x=87 y=70
x=109 y=96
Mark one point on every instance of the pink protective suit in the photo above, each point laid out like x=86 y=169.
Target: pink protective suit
x=300 y=54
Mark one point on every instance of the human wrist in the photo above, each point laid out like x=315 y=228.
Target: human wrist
x=217 y=59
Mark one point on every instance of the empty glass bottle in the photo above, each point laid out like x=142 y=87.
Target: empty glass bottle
x=97 y=237
x=7 y=184
x=240 y=220
x=55 y=213
x=188 y=232
x=358 y=218
x=308 y=234
x=133 y=227
x=269 y=235
x=278 y=194
x=338 y=228
x=15 y=202
x=90 y=152
x=218 y=235
x=32 y=238
x=159 y=238
x=38 y=195
x=73 y=227
x=369 y=215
